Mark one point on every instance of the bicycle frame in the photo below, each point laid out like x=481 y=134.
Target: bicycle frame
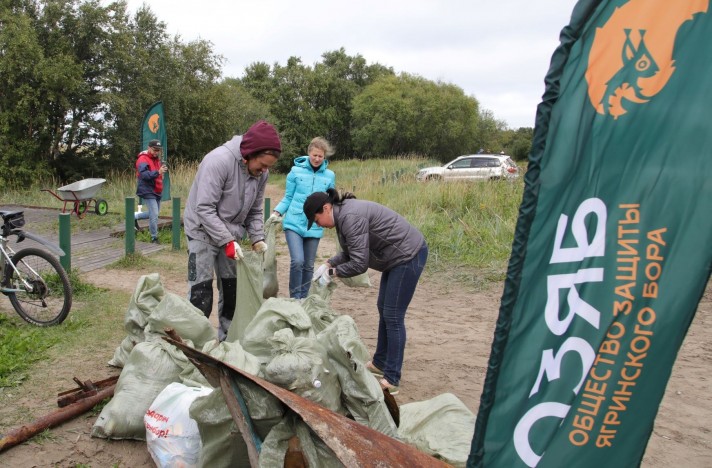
x=6 y=254
x=5 y=259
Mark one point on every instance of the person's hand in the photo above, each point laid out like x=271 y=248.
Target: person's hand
x=276 y=216
x=322 y=274
x=233 y=251
x=260 y=247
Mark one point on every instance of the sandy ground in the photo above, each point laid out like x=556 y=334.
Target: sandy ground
x=450 y=330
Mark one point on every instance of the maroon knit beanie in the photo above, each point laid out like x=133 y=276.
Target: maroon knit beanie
x=261 y=136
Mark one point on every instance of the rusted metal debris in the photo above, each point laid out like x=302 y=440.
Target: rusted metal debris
x=294 y=458
x=392 y=406
x=21 y=434
x=354 y=444
x=85 y=389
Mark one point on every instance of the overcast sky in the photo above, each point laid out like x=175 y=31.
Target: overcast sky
x=496 y=50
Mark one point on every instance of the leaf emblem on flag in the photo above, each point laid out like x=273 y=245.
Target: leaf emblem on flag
x=154 y=123
x=631 y=58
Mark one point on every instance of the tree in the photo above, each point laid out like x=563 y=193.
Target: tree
x=518 y=143
x=313 y=101
x=406 y=114
x=76 y=78
x=21 y=116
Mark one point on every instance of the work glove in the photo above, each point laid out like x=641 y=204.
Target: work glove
x=233 y=251
x=322 y=275
x=259 y=247
x=275 y=217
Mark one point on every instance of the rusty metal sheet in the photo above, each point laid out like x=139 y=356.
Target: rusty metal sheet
x=354 y=444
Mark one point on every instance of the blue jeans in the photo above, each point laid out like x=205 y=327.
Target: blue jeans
x=394 y=295
x=302 y=252
x=154 y=206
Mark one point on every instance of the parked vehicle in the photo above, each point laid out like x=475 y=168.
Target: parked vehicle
x=473 y=167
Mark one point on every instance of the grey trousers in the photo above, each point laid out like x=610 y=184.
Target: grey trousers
x=204 y=261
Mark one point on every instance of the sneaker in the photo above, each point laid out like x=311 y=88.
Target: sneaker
x=392 y=389
x=136 y=226
x=373 y=369
x=154 y=241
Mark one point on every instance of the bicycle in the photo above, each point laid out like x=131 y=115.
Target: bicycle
x=33 y=279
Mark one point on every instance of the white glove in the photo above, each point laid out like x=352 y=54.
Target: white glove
x=234 y=251
x=275 y=217
x=320 y=271
x=259 y=247
x=322 y=274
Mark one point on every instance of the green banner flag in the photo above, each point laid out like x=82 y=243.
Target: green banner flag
x=154 y=128
x=612 y=246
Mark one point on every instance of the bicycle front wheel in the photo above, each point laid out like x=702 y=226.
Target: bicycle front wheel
x=42 y=293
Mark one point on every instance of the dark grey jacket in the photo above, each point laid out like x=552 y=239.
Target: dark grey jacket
x=225 y=200
x=372 y=236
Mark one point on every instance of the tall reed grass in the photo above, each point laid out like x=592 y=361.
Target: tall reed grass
x=469 y=226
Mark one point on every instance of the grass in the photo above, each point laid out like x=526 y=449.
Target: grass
x=469 y=228
x=22 y=345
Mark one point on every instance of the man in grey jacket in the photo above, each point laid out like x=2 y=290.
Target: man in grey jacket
x=224 y=204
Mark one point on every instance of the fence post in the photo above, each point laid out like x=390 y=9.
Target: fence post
x=267 y=212
x=65 y=240
x=130 y=234
x=175 y=223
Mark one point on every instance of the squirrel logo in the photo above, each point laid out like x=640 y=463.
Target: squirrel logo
x=631 y=58
x=154 y=123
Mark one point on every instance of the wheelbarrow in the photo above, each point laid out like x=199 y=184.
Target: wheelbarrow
x=80 y=196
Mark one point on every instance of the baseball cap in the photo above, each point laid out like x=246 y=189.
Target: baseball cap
x=313 y=204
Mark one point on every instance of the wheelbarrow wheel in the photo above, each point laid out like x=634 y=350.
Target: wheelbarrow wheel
x=80 y=208
x=101 y=207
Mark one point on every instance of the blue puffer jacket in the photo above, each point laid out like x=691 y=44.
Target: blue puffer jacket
x=302 y=181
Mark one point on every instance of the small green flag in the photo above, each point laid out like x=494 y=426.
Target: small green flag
x=611 y=253
x=154 y=128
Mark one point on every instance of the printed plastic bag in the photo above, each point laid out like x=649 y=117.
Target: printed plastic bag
x=172 y=437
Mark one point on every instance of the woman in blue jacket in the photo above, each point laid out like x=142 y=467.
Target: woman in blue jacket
x=308 y=175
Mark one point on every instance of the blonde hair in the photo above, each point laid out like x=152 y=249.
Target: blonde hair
x=323 y=144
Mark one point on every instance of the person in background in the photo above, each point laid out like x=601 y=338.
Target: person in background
x=374 y=236
x=309 y=174
x=149 y=173
x=224 y=204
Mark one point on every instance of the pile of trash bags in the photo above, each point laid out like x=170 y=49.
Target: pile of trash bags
x=304 y=347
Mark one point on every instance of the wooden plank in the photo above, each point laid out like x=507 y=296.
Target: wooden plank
x=91 y=250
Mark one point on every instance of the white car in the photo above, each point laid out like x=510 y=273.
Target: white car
x=473 y=167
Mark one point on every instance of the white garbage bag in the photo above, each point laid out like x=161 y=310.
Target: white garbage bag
x=172 y=437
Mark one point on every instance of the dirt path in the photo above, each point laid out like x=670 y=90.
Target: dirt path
x=450 y=330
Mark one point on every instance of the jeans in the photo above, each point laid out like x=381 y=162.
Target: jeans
x=302 y=252
x=394 y=295
x=154 y=206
